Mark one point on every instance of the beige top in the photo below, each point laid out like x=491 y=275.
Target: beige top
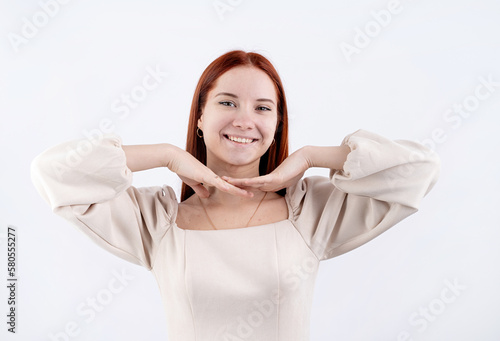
x=253 y=283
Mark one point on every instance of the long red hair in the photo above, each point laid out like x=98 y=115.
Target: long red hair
x=278 y=151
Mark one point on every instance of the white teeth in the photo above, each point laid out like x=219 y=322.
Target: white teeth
x=239 y=139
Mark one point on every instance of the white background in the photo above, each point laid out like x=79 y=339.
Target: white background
x=430 y=56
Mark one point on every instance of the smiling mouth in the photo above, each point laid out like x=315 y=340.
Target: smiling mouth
x=239 y=140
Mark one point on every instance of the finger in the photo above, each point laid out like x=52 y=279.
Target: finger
x=201 y=191
x=248 y=189
x=235 y=182
x=256 y=182
x=230 y=188
x=268 y=183
x=238 y=181
x=240 y=192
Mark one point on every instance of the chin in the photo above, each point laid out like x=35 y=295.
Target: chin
x=241 y=161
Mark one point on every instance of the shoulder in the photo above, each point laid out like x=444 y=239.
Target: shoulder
x=189 y=213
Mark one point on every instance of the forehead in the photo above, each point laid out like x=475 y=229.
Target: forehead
x=246 y=81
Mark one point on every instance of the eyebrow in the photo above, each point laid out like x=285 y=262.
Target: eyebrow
x=234 y=96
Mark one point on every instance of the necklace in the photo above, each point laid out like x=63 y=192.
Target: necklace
x=210 y=220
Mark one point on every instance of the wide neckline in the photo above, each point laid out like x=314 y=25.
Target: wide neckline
x=288 y=206
x=235 y=228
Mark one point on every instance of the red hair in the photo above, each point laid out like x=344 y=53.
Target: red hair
x=278 y=151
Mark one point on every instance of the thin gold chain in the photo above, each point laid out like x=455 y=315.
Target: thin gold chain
x=210 y=220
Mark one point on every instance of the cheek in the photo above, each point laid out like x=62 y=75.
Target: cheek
x=273 y=127
x=212 y=125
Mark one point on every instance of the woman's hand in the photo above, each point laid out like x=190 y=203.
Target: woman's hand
x=195 y=174
x=288 y=173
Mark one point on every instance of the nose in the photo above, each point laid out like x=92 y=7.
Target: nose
x=244 y=119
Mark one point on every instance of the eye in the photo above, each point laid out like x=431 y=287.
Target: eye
x=262 y=108
x=227 y=103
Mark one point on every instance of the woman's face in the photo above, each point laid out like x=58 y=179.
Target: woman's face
x=239 y=118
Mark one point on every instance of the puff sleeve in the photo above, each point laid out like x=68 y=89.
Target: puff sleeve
x=381 y=183
x=89 y=184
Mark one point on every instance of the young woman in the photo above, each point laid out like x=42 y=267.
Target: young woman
x=237 y=258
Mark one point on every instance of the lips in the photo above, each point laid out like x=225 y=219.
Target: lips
x=240 y=139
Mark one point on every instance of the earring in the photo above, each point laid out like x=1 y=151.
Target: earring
x=198 y=132
x=274 y=141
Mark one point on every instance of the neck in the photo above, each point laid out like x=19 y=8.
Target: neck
x=246 y=171
x=220 y=198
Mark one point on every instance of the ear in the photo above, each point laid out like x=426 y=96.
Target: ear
x=200 y=122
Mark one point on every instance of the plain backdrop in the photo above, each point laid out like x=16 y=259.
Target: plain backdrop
x=402 y=69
